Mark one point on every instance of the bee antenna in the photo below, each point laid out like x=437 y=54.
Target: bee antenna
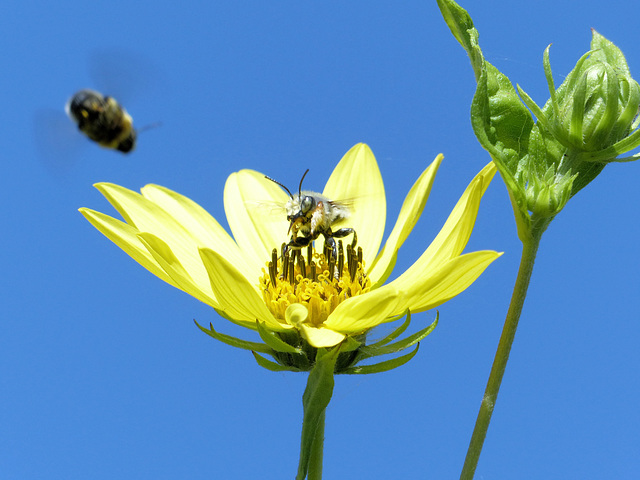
x=278 y=183
x=149 y=127
x=300 y=187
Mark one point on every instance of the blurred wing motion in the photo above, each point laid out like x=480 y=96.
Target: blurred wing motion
x=122 y=73
x=56 y=140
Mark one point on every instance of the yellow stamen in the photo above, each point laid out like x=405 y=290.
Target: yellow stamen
x=291 y=279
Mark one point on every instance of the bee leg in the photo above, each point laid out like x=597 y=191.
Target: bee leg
x=332 y=244
x=343 y=232
x=297 y=243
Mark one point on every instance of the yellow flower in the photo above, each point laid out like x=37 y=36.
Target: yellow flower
x=247 y=283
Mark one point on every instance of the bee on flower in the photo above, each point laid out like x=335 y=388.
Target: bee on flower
x=312 y=214
x=294 y=297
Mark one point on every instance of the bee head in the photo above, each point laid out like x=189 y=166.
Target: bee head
x=304 y=204
x=83 y=105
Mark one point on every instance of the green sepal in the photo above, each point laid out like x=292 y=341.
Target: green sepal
x=235 y=342
x=396 y=333
x=632 y=158
x=273 y=366
x=609 y=154
x=350 y=344
x=382 y=366
x=536 y=110
x=369 y=351
x=224 y=315
x=315 y=399
x=273 y=341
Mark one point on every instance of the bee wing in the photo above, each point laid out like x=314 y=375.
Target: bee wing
x=122 y=73
x=351 y=204
x=345 y=204
x=344 y=208
x=56 y=140
x=271 y=210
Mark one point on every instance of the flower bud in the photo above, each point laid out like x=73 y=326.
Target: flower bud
x=547 y=194
x=598 y=108
x=593 y=114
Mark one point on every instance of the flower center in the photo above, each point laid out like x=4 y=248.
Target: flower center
x=313 y=281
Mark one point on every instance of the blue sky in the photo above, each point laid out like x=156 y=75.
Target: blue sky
x=102 y=372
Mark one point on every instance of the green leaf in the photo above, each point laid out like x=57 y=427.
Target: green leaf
x=382 y=366
x=315 y=399
x=235 y=342
x=502 y=125
x=500 y=120
x=273 y=341
x=273 y=366
x=461 y=26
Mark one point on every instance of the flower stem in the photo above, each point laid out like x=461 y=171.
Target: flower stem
x=315 y=400
x=529 y=250
x=315 y=462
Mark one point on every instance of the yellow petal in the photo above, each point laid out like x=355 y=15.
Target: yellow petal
x=357 y=179
x=171 y=265
x=409 y=214
x=435 y=288
x=126 y=237
x=455 y=233
x=200 y=224
x=248 y=199
x=320 y=337
x=237 y=297
x=357 y=314
x=146 y=216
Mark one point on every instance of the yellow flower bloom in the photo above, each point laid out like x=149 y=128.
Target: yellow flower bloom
x=240 y=277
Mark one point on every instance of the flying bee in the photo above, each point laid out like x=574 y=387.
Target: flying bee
x=102 y=119
x=312 y=214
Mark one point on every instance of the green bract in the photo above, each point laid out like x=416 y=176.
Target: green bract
x=588 y=121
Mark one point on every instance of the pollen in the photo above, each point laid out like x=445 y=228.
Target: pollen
x=313 y=281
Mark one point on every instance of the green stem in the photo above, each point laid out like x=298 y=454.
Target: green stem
x=315 y=462
x=529 y=250
x=315 y=400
